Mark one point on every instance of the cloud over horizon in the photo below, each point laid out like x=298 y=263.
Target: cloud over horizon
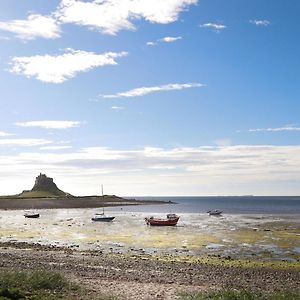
x=245 y=165
x=59 y=68
x=137 y=92
x=24 y=142
x=3 y=134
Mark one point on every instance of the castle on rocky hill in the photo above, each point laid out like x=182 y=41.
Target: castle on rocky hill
x=46 y=184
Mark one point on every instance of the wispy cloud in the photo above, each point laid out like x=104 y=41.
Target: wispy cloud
x=151 y=43
x=167 y=39
x=4 y=134
x=170 y=39
x=260 y=22
x=214 y=26
x=276 y=129
x=117 y=107
x=59 y=68
x=55 y=148
x=153 y=89
x=35 y=26
x=112 y=16
x=24 y=142
x=50 y=124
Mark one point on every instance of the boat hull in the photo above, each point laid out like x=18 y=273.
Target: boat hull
x=161 y=222
x=215 y=213
x=32 y=216
x=103 y=219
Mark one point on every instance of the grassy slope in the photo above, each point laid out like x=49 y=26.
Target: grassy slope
x=41 y=285
x=38 y=194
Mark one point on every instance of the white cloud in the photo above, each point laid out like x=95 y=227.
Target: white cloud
x=55 y=147
x=260 y=22
x=3 y=134
x=241 y=169
x=170 y=39
x=151 y=43
x=117 y=107
x=167 y=39
x=278 y=129
x=24 y=142
x=57 y=69
x=153 y=89
x=111 y=16
x=50 y=124
x=215 y=26
x=36 y=26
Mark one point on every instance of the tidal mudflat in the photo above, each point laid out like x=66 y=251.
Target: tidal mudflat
x=127 y=259
x=263 y=237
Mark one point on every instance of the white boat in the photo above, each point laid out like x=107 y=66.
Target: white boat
x=214 y=212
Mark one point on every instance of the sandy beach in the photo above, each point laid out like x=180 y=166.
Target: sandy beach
x=142 y=276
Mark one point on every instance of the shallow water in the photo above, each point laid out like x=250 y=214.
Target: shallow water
x=252 y=235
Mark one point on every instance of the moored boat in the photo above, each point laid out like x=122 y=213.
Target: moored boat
x=214 y=212
x=102 y=218
x=30 y=214
x=171 y=220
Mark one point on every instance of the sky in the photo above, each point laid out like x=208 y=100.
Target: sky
x=173 y=97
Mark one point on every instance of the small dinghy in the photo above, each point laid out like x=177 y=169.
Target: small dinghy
x=31 y=214
x=214 y=212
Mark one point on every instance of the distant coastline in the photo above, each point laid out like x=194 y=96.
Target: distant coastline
x=11 y=203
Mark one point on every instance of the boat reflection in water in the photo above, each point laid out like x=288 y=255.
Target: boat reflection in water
x=171 y=220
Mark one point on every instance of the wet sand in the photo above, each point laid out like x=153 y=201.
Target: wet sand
x=131 y=260
x=263 y=237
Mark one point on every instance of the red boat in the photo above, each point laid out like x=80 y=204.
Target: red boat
x=171 y=220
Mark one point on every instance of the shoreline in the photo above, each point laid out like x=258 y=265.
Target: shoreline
x=7 y=203
x=144 y=276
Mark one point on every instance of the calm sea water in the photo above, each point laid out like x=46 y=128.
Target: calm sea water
x=230 y=205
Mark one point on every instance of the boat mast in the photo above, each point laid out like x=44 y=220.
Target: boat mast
x=102 y=189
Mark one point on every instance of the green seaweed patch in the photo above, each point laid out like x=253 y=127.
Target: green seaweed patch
x=226 y=261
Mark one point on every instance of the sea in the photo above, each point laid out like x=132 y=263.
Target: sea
x=250 y=226
x=228 y=204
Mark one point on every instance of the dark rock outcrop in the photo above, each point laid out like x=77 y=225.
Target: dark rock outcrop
x=46 y=184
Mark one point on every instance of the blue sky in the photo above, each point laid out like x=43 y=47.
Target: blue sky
x=177 y=97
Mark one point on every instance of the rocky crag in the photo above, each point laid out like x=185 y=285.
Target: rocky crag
x=46 y=184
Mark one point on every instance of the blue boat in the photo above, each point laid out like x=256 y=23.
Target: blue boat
x=101 y=217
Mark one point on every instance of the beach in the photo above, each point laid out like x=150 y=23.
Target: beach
x=130 y=260
x=143 y=276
